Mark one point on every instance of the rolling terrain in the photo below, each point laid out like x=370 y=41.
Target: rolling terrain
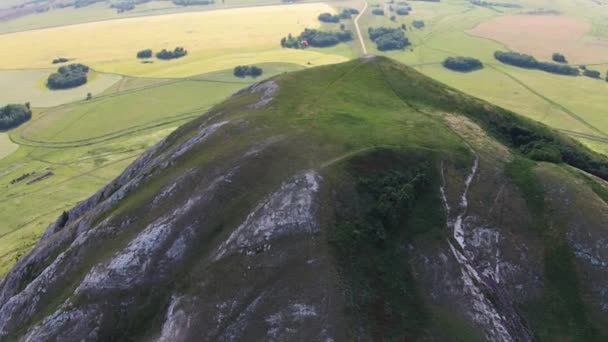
x=356 y=201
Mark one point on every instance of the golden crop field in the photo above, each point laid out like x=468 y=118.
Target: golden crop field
x=215 y=40
x=541 y=36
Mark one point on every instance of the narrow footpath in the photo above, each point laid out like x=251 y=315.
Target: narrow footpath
x=363 y=47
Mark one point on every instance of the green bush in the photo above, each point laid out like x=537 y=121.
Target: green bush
x=13 y=115
x=69 y=76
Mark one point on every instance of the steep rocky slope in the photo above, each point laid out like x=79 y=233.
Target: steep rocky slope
x=359 y=201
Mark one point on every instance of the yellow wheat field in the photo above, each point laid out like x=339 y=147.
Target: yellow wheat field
x=215 y=40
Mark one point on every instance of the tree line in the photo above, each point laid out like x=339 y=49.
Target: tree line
x=247 y=70
x=60 y=60
x=529 y=62
x=68 y=76
x=316 y=38
x=193 y=2
x=464 y=64
x=165 y=54
x=387 y=38
x=13 y=115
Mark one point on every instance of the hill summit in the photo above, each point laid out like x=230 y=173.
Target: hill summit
x=357 y=201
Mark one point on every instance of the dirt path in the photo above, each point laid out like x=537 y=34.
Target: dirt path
x=356 y=21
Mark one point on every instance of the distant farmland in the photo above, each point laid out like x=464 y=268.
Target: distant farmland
x=214 y=40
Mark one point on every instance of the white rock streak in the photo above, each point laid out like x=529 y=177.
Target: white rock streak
x=483 y=311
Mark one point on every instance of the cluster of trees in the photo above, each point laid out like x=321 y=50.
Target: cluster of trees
x=329 y=18
x=193 y=2
x=247 y=70
x=559 y=58
x=527 y=61
x=147 y=53
x=403 y=11
x=377 y=11
x=13 y=115
x=591 y=73
x=60 y=60
x=165 y=54
x=84 y=3
x=315 y=38
x=388 y=38
x=69 y=76
x=346 y=13
x=419 y=24
x=124 y=6
x=463 y=64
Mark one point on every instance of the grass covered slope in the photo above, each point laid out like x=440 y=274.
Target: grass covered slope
x=416 y=211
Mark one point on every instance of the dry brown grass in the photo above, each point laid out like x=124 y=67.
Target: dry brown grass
x=541 y=36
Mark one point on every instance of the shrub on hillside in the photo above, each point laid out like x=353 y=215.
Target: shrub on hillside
x=387 y=38
x=13 y=115
x=178 y=52
x=377 y=11
x=147 y=53
x=463 y=64
x=247 y=70
x=559 y=58
x=69 y=76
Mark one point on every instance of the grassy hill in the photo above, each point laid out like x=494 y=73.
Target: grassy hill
x=356 y=201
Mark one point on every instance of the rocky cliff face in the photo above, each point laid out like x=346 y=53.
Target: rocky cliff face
x=323 y=206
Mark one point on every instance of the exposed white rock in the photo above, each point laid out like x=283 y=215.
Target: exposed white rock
x=288 y=210
x=176 y=322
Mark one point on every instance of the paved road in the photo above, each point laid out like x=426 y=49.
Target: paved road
x=363 y=47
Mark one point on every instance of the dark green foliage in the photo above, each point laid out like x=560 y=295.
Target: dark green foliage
x=60 y=60
x=592 y=73
x=377 y=11
x=68 y=76
x=329 y=18
x=193 y=2
x=347 y=13
x=391 y=202
x=124 y=6
x=527 y=61
x=247 y=70
x=403 y=11
x=494 y=4
x=387 y=38
x=178 y=52
x=315 y=38
x=147 y=53
x=419 y=24
x=462 y=64
x=84 y=3
x=559 y=58
x=13 y=115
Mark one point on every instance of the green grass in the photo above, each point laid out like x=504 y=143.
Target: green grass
x=104 y=116
x=6 y=145
x=21 y=86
